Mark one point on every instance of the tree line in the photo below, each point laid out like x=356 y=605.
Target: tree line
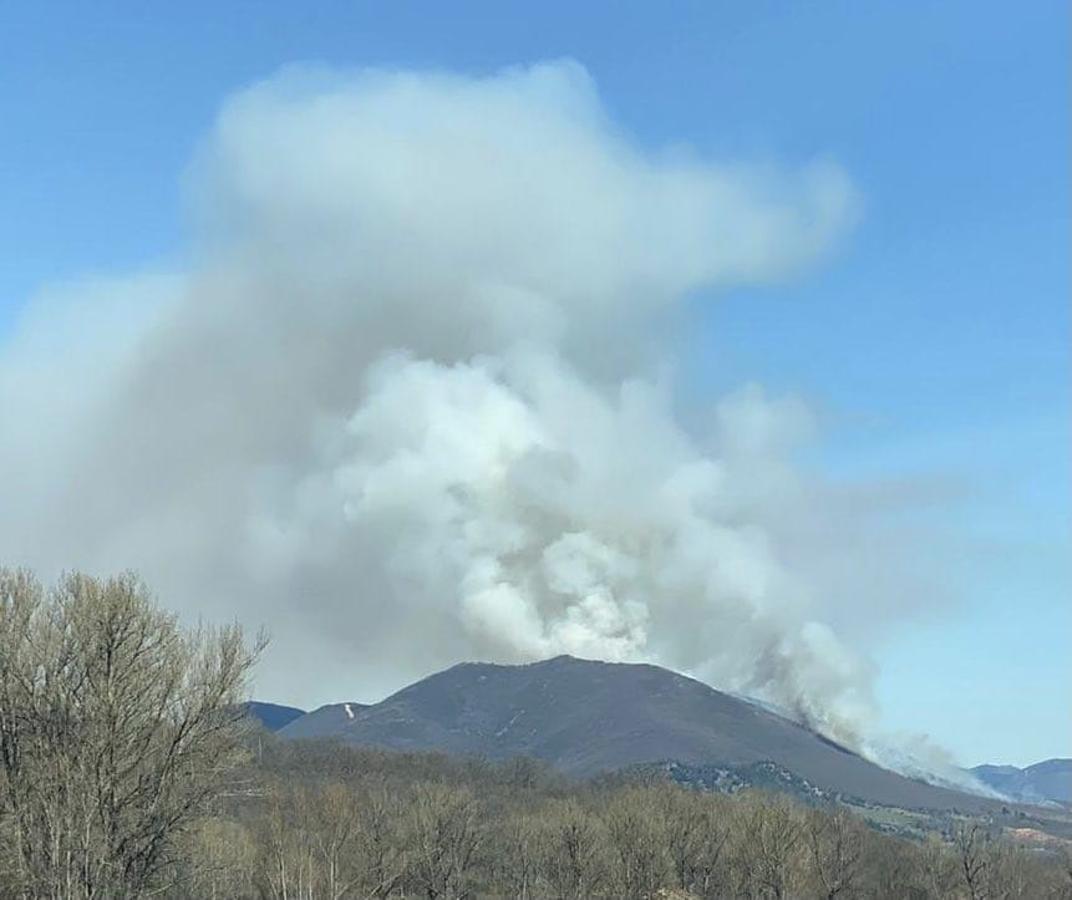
x=129 y=769
x=335 y=821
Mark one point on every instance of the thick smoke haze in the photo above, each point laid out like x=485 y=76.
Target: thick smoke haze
x=412 y=402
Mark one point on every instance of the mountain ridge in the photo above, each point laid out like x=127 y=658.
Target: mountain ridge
x=1048 y=780
x=272 y=716
x=586 y=717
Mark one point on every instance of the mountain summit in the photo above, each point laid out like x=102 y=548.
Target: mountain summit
x=586 y=717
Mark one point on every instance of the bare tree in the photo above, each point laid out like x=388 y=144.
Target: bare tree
x=220 y=855
x=1066 y=871
x=288 y=858
x=768 y=844
x=1009 y=872
x=835 y=845
x=938 y=868
x=515 y=857
x=636 y=841
x=444 y=836
x=334 y=825
x=380 y=852
x=117 y=732
x=694 y=834
x=971 y=842
x=573 y=855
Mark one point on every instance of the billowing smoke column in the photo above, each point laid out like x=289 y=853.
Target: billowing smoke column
x=411 y=401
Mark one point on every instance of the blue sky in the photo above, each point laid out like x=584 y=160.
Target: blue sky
x=935 y=339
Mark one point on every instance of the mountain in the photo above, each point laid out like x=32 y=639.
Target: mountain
x=1048 y=780
x=326 y=721
x=585 y=718
x=271 y=715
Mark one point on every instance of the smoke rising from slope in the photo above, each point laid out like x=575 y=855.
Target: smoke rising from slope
x=409 y=403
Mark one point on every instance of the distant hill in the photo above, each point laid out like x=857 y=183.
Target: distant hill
x=1048 y=780
x=326 y=721
x=271 y=715
x=587 y=717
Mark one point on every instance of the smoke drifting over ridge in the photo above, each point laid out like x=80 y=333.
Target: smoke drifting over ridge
x=401 y=406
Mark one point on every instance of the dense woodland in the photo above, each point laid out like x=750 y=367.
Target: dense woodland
x=327 y=820
x=128 y=769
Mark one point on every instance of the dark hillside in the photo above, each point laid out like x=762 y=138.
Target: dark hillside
x=273 y=716
x=585 y=717
x=325 y=721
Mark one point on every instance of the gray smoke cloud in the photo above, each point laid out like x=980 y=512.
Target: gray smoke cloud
x=412 y=402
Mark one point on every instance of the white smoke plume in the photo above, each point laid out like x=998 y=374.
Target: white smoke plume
x=412 y=402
